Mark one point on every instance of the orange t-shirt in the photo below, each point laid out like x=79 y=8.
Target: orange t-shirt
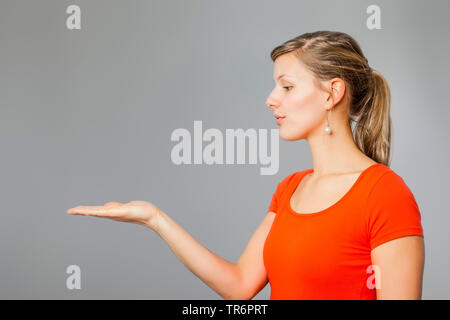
x=326 y=254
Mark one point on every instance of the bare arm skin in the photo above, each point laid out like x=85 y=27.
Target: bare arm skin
x=240 y=280
x=251 y=264
x=401 y=263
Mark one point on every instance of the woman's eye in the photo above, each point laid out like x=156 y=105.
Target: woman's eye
x=287 y=87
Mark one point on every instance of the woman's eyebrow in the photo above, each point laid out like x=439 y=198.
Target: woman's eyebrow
x=282 y=76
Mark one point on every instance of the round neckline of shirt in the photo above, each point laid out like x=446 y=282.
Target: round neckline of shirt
x=337 y=203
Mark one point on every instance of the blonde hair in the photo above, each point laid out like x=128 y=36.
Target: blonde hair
x=331 y=54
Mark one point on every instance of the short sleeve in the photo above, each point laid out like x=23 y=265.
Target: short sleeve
x=392 y=211
x=273 y=207
x=276 y=197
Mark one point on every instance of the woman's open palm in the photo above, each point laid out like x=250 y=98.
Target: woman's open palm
x=138 y=212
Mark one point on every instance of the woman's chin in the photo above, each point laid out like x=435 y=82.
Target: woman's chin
x=290 y=136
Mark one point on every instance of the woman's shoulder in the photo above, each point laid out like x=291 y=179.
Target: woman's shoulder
x=384 y=176
x=391 y=208
x=388 y=184
x=292 y=176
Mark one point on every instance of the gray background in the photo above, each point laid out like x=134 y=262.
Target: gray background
x=86 y=117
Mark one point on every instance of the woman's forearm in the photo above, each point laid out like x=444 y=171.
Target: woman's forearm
x=217 y=273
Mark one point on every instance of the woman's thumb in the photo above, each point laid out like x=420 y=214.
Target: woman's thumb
x=113 y=204
x=137 y=202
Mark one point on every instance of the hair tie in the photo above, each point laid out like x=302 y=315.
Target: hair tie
x=371 y=72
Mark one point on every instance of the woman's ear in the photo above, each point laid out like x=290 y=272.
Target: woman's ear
x=336 y=91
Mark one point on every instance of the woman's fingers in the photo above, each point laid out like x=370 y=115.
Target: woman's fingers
x=92 y=210
x=113 y=203
x=86 y=210
x=98 y=211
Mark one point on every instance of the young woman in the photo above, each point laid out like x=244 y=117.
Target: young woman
x=348 y=228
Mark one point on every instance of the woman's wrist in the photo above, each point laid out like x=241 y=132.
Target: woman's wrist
x=155 y=221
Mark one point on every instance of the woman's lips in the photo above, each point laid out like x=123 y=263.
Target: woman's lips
x=280 y=119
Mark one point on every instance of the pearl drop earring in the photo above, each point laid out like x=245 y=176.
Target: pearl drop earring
x=328 y=129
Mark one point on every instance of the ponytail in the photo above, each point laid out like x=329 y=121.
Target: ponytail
x=373 y=129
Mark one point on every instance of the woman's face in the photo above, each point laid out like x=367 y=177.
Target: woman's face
x=297 y=98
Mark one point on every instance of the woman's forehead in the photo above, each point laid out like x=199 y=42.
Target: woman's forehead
x=289 y=67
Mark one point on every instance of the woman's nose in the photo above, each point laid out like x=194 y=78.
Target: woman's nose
x=270 y=103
